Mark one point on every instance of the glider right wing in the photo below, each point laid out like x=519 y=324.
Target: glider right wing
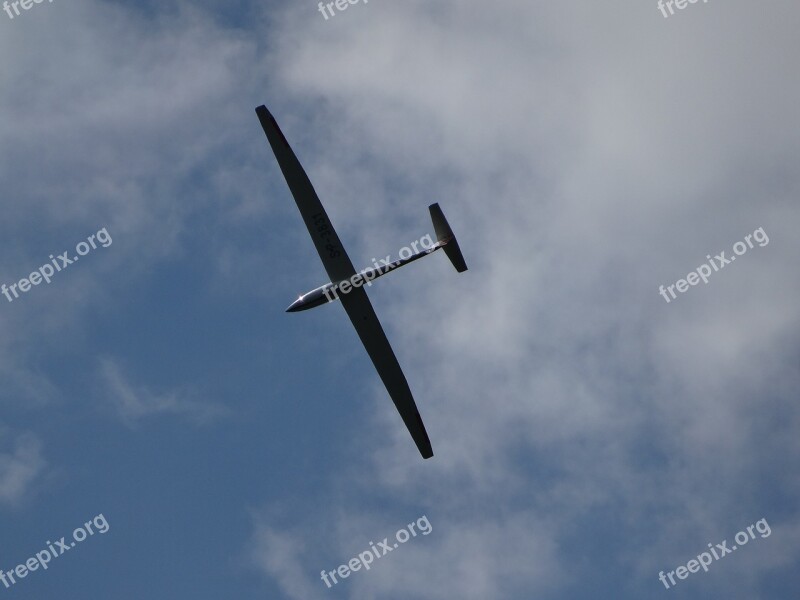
x=369 y=329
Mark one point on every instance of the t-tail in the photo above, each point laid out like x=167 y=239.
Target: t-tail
x=331 y=291
x=446 y=238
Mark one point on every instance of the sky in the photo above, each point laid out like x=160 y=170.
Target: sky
x=592 y=429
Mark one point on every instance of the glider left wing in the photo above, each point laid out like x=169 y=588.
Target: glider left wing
x=330 y=249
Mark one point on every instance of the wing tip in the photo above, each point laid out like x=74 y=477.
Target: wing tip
x=268 y=120
x=423 y=441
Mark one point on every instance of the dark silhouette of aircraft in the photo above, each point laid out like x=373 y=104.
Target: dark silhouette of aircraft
x=347 y=285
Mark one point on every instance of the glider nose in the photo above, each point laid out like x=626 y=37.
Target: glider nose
x=310 y=300
x=295 y=306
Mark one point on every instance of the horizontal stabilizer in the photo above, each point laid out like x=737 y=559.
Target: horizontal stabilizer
x=447 y=238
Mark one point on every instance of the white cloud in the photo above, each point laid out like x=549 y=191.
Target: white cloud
x=279 y=553
x=134 y=403
x=584 y=155
x=20 y=468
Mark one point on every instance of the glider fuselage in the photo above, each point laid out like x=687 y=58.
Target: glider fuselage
x=331 y=291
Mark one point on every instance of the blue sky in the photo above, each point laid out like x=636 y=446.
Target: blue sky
x=587 y=434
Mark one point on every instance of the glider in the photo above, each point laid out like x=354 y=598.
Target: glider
x=346 y=284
